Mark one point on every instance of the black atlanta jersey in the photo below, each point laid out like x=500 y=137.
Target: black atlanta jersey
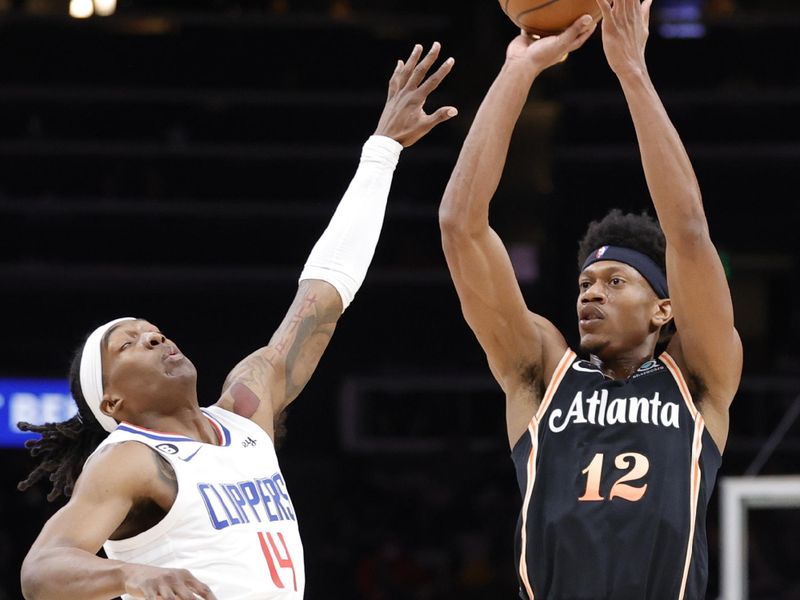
x=615 y=476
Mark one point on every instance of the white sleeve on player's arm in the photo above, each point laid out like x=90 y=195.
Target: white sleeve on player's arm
x=343 y=253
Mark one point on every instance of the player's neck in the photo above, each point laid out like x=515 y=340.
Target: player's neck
x=185 y=420
x=622 y=366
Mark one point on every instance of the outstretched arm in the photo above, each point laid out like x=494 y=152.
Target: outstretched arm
x=491 y=300
x=265 y=382
x=701 y=300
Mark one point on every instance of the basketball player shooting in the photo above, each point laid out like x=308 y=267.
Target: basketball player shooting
x=616 y=451
x=190 y=502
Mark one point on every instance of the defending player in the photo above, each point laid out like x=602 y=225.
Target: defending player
x=190 y=502
x=616 y=455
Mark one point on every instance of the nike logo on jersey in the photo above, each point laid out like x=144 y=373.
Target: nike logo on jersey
x=584 y=366
x=597 y=410
x=651 y=366
x=192 y=455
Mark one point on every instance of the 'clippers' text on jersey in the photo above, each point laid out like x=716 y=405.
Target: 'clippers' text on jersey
x=259 y=500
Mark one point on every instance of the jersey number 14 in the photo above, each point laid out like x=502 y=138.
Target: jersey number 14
x=273 y=555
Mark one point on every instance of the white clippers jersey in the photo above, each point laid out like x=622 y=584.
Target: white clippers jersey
x=233 y=525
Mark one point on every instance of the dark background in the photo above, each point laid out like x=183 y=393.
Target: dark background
x=177 y=161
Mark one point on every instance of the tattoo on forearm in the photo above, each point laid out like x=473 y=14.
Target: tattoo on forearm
x=298 y=344
x=295 y=381
x=301 y=316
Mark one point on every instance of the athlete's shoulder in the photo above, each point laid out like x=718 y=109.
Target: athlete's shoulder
x=118 y=449
x=122 y=466
x=553 y=340
x=553 y=344
x=229 y=420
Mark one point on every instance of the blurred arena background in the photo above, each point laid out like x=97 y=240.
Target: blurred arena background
x=176 y=160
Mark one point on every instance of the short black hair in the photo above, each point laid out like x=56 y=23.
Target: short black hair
x=64 y=447
x=628 y=230
x=638 y=232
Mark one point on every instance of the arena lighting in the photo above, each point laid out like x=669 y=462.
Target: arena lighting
x=105 y=8
x=81 y=9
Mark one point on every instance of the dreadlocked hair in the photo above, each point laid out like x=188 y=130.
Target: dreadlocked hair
x=637 y=232
x=64 y=447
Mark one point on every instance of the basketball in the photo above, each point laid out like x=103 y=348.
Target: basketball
x=548 y=17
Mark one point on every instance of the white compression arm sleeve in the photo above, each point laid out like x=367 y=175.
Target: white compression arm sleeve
x=343 y=254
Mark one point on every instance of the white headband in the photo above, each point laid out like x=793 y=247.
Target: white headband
x=92 y=374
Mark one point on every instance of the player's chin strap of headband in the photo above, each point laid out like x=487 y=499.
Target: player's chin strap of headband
x=642 y=263
x=92 y=373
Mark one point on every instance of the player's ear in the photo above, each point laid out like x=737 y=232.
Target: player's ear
x=111 y=405
x=662 y=313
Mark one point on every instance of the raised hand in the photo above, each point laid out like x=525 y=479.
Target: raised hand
x=626 y=27
x=155 y=583
x=548 y=51
x=404 y=118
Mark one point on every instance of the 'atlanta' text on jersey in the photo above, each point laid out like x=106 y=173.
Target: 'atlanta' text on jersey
x=597 y=410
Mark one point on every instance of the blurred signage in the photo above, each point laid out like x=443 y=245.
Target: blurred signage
x=680 y=18
x=35 y=401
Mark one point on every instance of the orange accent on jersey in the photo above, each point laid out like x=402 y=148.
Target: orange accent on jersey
x=676 y=373
x=533 y=431
x=555 y=381
x=694 y=491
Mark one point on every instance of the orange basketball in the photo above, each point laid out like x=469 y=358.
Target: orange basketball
x=548 y=17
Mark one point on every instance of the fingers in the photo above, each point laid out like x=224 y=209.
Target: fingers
x=580 y=25
x=605 y=8
x=412 y=73
x=529 y=37
x=577 y=31
x=581 y=39
x=443 y=114
x=646 y=5
x=632 y=11
x=180 y=585
x=404 y=73
x=394 y=83
x=403 y=118
x=177 y=591
x=430 y=121
x=421 y=70
x=165 y=593
x=201 y=589
x=626 y=9
x=434 y=80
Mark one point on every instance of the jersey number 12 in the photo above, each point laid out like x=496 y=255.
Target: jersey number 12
x=620 y=489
